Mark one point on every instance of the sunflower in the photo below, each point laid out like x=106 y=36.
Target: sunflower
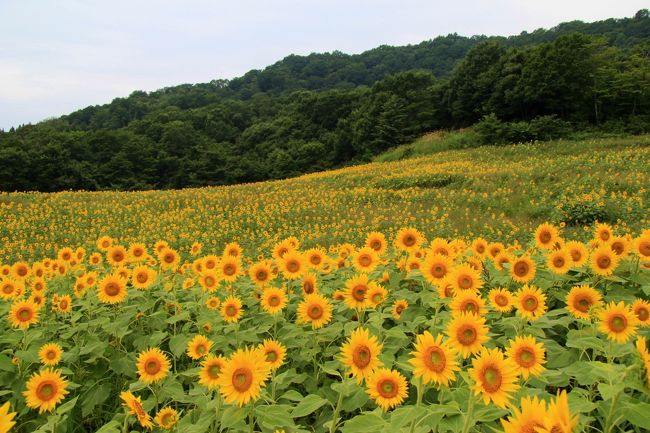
x=603 y=232
x=23 y=314
x=528 y=354
x=243 y=376
x=468 y=301
x=199 y=347
x=501 y=259
x=559 y=261
x=530 y=302
x=6 y=418
x=398 y=308
x=501 y=300
x=604 y=261
x=274 y=353
x=464 y=277
x=618 y=322
x=388 y=388
x=233 y=249
x=292 y=265
x=210 y=262
x=261 y=273
x=152 y=365
x=45 y=390
x=210 y=370
x=20 y=270
x=315 y=257
x=9 y=289
x=408 y=239
x=494 y=249
x=134 y=405
x=273 y=300
x=66 y=254
x=546 y=235
x=467 y=333
x=169 y=258
x=355 y=293
x=281 y=248
x=309 y=284
x=578 y=253
x=558 y=417
x=137 y=252
x=495 y=378
x=143 y=277
x=360 y=354
x=116 y=255
x=522 y=269
x=314 y=309
x=376 y=294
x=641 y=310
x=167 y=418
x=479 y=247
x=581 y=299
x=50 y=354
x=620 y=245
x=377 y=241
x=642 y=246
x=529 y=419
x=365 y=260
x=231 y=309
x=434 y=360
x=642 y=349
x=209 y=280
x=436 y=267
x=95 y=259
x=112 y=290
x=104 y=243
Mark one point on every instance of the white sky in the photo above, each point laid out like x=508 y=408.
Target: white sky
x=63 y=55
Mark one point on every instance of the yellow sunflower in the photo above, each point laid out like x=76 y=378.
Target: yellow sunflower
x=66 y=254
x=261 y=273
x=6 y=418
x=465 y=277
x=377 y=241
x=116 y=255
x=23 y=314
x=529 y=419
x=546 y=235
x=212 y=303
x=558 y=416
x=9 y=289
x=495 y=378
x=479 y=247
x=233 y=249
x=603 y=232
x=578 y=253
x=522 y=269
x=376 y=294
x=530 y=302
x=434 y=360
x=365 y=260
x=315 y=309
x=45 y=390
x=528 y=354
x=468 y=301
x=388 y=388
x=501 y=300
x=152 y=365
x=104 y=243
x=292 y=265
x=642 y=246
x=559 y=261
x=20 y=270
x=169 y=258
x=620 y=246
x=604 y=261
x=399 y=306
x=436 y=267
x=137 y=252
x=618 y=322
x=167 y=418
x=581 y=299
x=274 y=353
x=210 y=370
x=641 y=310
x=231 y=309
x=229 y=268
x=281 y=248
x=143 y=277
x=355 y=293
x=50 y=354
x=243 y=376
x=360 y=354
x=408 y=239
x=467 y=333
x=315 y=258
x=209 y=280
x=134 y=405
x=495 y=248
x=112 y=290
x=309 y=284
x=273 y=300
x=199 y=347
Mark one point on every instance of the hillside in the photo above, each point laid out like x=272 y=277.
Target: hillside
x=311 y=113
x=498 y=193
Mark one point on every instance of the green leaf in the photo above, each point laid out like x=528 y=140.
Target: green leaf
x=111 y=427
x=67 y=406
x=233 y=416
x=636 y=412
x=273 y=417
x=366 y=423
x=178 y=344
x=308 y=405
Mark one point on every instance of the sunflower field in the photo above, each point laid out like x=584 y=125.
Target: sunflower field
x=127 y=312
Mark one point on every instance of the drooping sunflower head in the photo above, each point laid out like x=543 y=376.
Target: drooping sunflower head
x=152 y=365
x=135 y=408
x=6 y=418
x=167 y=418
x=50 y=354
x=528 y=355
x=558 y=417
x=581 y=300
x=618 y=322
x=495 y=377
x=360 y=354
x=388 y=388
x=501 y=300
x=243 y=376
x=467 y=333
x=199 y=347
x=434 y=360
x=315 y=309
x=45 y=390
x=530 y=302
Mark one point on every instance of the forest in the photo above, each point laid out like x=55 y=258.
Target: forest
x=310 y=113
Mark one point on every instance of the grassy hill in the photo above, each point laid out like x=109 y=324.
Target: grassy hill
x=499 y=193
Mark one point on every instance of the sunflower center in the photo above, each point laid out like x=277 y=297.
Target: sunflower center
x=501 y=300
x=521 y=269
x=112 y=289
x=582 y=304
x=603 y=262
x=644 y=248
x=118 y=256
x=375 y=245
x=201 y=349
x=545 y=237
x=435 y=359
x=530 y=303
x=242 y=379
x=359 y=292
x=438 y=271
x=293 y=266
x=465 y=282
x=308 y=287
x=642 y=313
x=168 y=419
x=7 y=289
x=558 y=262
x=262 y=275
x=46 y=391
x=213 y=371
x=491 y=379
x=480 y=248
x=315 y=260
x=282 y=251
x=466 y=335
x=526 y=358
x=274 y=300
x=618 y=323
x=365 y=260
x=361 y=356
x=50 y=354
x=315 y=312
x=271 y=356
x=231 y=310
x=152 y=366
x=229 y=269
x=387 y=388
x=63 y=305
x=376 y=298
x=24 y=314
x=409 y=240
x=617 y=247
x=399 y=308
x=470 y=307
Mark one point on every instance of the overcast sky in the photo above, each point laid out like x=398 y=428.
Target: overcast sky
x=57 y=56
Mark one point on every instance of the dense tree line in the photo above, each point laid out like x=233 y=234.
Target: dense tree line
x=308 y=113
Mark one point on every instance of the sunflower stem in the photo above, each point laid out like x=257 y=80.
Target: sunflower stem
x=469 y=414
x=420 y=387
x=251 y=422
x=337 y=409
